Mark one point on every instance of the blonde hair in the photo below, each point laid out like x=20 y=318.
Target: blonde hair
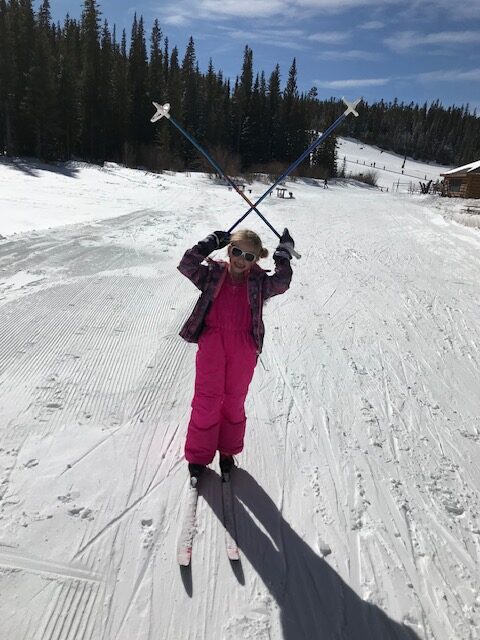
x=250 y=236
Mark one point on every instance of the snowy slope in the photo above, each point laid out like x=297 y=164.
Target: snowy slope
x=389 y=167
x=34 y=195
x=357 y=501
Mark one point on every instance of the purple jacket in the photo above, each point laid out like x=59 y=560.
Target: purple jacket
x=209 y=278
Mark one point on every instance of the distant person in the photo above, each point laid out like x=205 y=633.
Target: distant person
x=325 y=183
x=227 y=324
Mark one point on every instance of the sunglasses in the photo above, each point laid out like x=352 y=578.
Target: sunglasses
x=238 y=253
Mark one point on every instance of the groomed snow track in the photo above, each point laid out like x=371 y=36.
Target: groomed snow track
x=357 y=504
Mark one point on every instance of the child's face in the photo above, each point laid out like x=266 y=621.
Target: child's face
x=239 y=265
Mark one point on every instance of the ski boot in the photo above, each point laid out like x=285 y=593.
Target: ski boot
x=227 y=463
x=195 y=471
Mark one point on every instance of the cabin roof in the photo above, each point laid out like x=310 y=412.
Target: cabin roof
x=472 y=167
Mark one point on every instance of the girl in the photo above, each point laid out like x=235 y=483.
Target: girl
x=227 y=324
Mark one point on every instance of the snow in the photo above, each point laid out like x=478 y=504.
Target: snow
x=357 y=500
x=389 y=167
x=36 y=195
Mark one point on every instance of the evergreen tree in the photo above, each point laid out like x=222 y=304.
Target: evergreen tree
x=241 y=108
x=106 y=134
x=174 y=88
x=225 y=115
x=293 y=118
x=140 y=130
x=174 y=82
x=274 y=124
x=209 y=114
x=23 y=31
x=68 y=90
x=166 y=60
x=190 y=100
x=44 y=16
x=259 y=135
x=7 y=81
x=40 y=106
x=156 y=72
x=121 y=97
x=252 y=127
x=324 y=158
x=90 y=105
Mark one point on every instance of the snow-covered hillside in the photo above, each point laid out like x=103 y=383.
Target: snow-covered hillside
x=357 y=499
x=392 y=170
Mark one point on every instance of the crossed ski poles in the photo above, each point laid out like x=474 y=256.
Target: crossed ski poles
x=163 y=111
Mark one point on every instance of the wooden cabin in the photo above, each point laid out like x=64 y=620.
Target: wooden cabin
x=463 y=182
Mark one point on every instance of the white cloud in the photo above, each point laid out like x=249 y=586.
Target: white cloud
x=286 y=38
x=346 y=54
x=188 y=11
x=354 y=82
x=256 y=8
x=341 y=5
x=404 y=41
x=220 y=10
x=244 y=8
x=453 y=75
x=177 y=19
x=373 y=24
x=453 y=11
x=330 y=37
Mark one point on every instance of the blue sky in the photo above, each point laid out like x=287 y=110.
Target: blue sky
x=415 y=50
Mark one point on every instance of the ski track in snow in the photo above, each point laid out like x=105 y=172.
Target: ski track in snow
x=357 y=504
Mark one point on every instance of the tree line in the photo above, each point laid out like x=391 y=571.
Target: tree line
x=81 y=90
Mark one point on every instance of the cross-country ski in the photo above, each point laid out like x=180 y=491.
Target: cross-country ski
x=231 y=543
x=187 y=530
x=188 y=522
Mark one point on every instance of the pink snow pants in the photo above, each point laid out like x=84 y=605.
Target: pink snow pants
x=226 y=361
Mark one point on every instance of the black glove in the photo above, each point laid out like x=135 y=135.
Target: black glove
x=285 y=248
x=214 y=241
x=223 y=238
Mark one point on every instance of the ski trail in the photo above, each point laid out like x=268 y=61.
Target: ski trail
x=356 y=502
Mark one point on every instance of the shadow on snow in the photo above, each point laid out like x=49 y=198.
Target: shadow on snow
x=314 y=601
x=34 y=168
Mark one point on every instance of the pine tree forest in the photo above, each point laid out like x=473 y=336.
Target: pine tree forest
x=80 y=90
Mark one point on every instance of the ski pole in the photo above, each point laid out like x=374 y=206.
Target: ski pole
x=163 y=111
x=350 y=109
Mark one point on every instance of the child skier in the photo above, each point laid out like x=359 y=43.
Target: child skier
x=227 y=324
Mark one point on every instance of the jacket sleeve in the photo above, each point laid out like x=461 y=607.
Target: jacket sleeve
x=191 y=264
x=279 y=282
